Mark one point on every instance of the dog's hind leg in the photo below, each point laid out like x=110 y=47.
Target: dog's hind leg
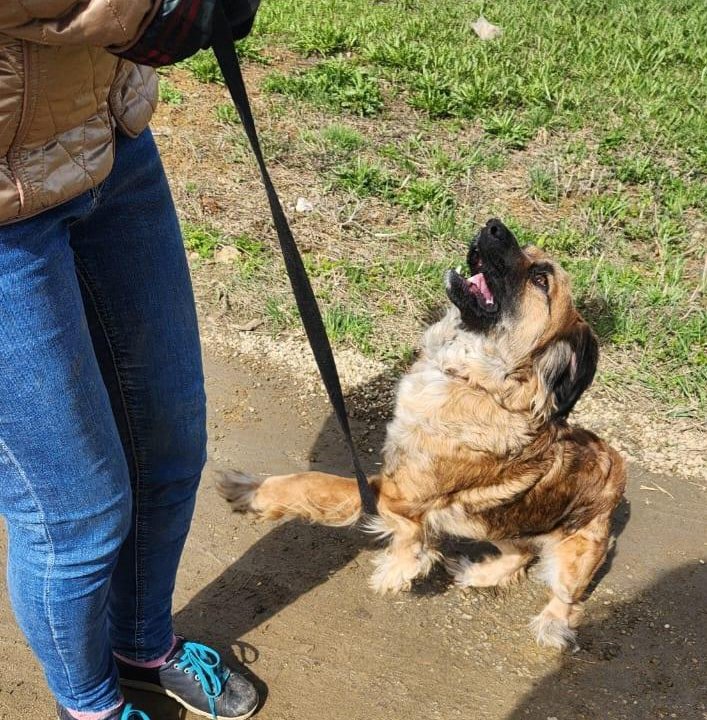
x=499 y=570
x=315 y=496
x=568 y=566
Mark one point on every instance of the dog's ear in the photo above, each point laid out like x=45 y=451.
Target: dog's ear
x=567 y=367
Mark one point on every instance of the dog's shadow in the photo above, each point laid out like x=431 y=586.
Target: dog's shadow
x=293 y=557
x=644 y=659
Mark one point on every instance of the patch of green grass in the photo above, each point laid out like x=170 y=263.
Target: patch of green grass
x=201 y=239
x=342 y=138
x=325 y=39
x=509 y=128
x=281 y=315
x=676 y=195
x=637 y=170
x=494 y=161
x=443 y=224
x=204 y=240
x=629 y=67
x=204 y=67
x=254 y=256
x=363 y=178
x=250 y=49
x=608 y=210
x=366 y=178
x=543 y=185
x=169 y=94
x=563 y=241
x=334 y=84
x=226 y=114
x=344 y=325
x=423 y=193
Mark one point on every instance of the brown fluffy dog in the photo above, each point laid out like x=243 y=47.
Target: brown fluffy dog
x=479 y=446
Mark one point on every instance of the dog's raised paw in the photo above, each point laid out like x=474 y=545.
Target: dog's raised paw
x=236 y=487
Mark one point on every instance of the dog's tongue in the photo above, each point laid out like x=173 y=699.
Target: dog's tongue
x=479 y=282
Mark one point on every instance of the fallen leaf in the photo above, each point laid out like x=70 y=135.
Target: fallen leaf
x=209 y=204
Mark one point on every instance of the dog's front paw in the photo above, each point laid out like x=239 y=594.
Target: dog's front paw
x=395 y=571
x=390 y=575
x=550 y=630
x=237 y=488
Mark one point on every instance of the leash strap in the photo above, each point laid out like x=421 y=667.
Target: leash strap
x=224 y=49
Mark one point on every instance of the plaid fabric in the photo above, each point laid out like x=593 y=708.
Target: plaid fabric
x=183 y=27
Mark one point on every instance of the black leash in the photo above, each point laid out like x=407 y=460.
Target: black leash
x=306 y=302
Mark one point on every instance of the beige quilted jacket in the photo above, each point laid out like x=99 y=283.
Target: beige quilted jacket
x=62 y=94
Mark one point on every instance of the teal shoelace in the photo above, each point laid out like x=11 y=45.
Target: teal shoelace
x=205 y=663
x=130 y=713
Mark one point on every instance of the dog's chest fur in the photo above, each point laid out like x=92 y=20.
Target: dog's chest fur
x=448 y=405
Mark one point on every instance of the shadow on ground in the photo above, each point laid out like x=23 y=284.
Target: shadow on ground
x=646 y=659
x=293 y=558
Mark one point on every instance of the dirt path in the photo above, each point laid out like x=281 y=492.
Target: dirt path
x=291 y=600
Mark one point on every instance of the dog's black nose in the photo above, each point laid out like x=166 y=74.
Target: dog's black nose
x=497 y=244
x=496 y=234
x=495 y=227
x=498 y=230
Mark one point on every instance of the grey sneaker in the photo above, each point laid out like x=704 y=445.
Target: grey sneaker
x=124 y=712
x=195 y=677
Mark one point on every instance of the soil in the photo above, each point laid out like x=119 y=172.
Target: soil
x=291 y=600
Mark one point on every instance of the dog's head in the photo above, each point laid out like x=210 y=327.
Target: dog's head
x=520 y=300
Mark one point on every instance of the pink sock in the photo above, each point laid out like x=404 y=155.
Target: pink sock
x=146 y=663
x=93 y=715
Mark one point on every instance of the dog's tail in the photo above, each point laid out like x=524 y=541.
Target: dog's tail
x=314 y=496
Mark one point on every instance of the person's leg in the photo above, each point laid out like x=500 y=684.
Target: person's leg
x=136 y=287
x=138 y=297
x=64 y=485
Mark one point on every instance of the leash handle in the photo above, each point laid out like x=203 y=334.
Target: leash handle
x=224 y=49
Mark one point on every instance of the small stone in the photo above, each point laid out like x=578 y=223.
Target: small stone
x=485 y=30
x=226 y=254
x=303 y=205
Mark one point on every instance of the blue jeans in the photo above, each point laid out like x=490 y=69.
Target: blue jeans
x=102 y=424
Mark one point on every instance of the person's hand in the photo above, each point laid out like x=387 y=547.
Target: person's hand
x=181 y=28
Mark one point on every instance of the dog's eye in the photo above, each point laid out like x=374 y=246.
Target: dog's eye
x=540 y=279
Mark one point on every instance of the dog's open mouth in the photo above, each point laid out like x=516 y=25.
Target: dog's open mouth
x=479 y=287
x=473 y=290
x=495 y=262
x=476 y=283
